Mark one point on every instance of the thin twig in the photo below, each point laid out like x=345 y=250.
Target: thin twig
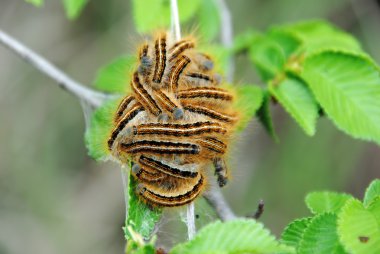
x=92 y=97
x=259 y=210
x=216 y=199
x=189 y=219
x=226 y=36
x=124 y=178
x=176 y=27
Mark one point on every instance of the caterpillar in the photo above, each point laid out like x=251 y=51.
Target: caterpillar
x=176 y=124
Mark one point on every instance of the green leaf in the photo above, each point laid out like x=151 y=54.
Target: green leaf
x=150 y=15
x=237 y=236
x=248 y=100
x=268 y=57
x=187 y=9
x=293 y=233
x=322 y=202
x=141 y=218
x=287 y=41
x=347 y=87
x=265 y=116
x=134 y=247
x=298 y=101
x=374 y=207
x=97 y=134
x=209 y=21
x=372 y=192
x=321 y=236
x=359 y=228
x=74 y=7
x=37 y=3
x=115 y=77
x=244 y=41
x=319 y=35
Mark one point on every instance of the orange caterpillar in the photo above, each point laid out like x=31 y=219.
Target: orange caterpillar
x=175 y=124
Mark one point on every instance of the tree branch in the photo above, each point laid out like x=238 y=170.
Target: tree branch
x=226 y=36
x=91 y=97
x=216 y=199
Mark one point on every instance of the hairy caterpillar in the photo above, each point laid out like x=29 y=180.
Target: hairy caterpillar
x=175 y=124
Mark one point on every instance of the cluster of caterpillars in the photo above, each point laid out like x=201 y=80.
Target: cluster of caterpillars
x=175 y=124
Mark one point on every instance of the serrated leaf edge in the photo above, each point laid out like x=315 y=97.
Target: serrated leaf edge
x=324 y=192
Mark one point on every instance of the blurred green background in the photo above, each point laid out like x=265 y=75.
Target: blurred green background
x=55 y=199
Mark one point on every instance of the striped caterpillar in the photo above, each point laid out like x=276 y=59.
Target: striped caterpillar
x=175 y=124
